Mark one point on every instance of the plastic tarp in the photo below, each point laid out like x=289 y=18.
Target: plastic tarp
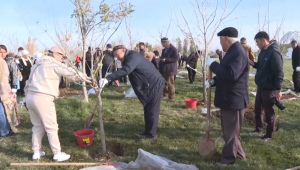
x=130 y=93
x=148 y=160
x=91 y=91
x=100 y=168
x=183 y=72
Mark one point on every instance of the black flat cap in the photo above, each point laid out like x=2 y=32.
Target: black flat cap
x=164 y=39
x=229 y=32
x=243 y=39
x=294 y=42
x=119 y=47
x=109 y=46
x=141 y=43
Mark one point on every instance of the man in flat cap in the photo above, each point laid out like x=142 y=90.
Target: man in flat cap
x=146 y=82
x=248 y=49
x=231 y=94
x=142 y=48
x=295 y=64
x=168 y=68
x=268 y=78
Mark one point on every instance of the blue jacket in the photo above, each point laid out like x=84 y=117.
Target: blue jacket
x=232 y=79
x=145 y=79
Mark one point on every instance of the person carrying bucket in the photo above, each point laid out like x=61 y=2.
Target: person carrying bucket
x=40 y=90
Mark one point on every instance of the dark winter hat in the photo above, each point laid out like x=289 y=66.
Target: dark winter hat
x=229 y=32
x=164 y=39
x=294 y=42
x=108 y=46
x=20 y=48
x=243 y=39
x=141 y=43
x=119 y=47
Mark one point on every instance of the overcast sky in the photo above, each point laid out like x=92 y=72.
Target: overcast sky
x=21 y=19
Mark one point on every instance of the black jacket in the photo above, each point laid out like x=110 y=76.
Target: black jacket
x=296 y=57
x=146 y=81
x=192 y=60
x=13 y=71
x=169 y=67
x=232 y=79
x=88 y=56
x=108 y=60
x=269 y=74
x=156 y=62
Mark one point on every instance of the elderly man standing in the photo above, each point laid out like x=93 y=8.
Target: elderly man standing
x=169 y=59
x=295 y=64
x=248 y=49
x=146 y=82
x=231 y=94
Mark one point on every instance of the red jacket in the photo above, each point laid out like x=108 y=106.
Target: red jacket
x=78 y=60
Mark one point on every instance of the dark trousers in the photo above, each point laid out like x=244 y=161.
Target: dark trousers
x=231 y=123
x=151 y=113
x=88 y=66
x=22 y=85
x=192 y=74
x=123 y=79
x=104 y=70
x=264 y=103
x=296 y=81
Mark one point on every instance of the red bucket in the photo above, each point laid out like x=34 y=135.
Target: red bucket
x=191 y=103
x=84 y=137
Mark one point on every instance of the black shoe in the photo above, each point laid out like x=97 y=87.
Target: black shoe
x=142 y=133
x=265 y=138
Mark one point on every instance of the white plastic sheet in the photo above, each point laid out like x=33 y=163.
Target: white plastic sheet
x=100 y=168
x=179 y=76
x=204 y=110
x=91 y=91
x=130 y=93
x=183 y=72
x=148 y=160
x=251 y=75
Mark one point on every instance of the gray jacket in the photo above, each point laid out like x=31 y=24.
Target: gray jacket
x=13 y=71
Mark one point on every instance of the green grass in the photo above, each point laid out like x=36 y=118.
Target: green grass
x=179 y=129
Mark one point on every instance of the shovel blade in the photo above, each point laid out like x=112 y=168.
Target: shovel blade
x=206 y=147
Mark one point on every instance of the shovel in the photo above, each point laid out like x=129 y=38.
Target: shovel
x=89 y=119
x=206 y=145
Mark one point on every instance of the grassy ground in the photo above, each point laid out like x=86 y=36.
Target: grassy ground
x=179 y=129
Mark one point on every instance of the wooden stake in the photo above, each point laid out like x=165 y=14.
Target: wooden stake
x=58 y=164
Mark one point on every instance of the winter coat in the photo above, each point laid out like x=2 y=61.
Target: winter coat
x=296 y=57
x=269 y=74
x=156 y=62
x=169 y=67
x=192 y=60
x=4 y=84
x=249 y=52
x=26 y=67
x=142 y=52
x=88 y=56
x=146 y=81
x=231 y=79
x=13 y=71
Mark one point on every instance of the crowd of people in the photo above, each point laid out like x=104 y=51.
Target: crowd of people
x=152 y=76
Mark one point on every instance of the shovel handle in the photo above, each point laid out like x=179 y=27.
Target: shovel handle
x=207 y=135
x=209 y=101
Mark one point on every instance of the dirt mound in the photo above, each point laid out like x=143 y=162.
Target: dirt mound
x=287 y=96
x=69 y=92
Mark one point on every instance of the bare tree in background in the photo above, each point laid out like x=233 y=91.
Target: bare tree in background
x=209 y=16
x=131 y=40
x=88 y=19
x=31 y=46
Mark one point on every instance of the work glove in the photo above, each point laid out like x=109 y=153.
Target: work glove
x=102 y=82
x=209 y=61
x=195 y=69
x=188 y=66
x=14 y=91
x=208 y=85
x=297 y=69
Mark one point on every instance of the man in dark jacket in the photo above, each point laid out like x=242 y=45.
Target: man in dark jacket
x=108 y=62
x=146 y=82
x=231 y=94
x=13 y=72
x=295 y=64
x=268 y=78
x=192 y=62
x=88 y=62
x=142 y=48
x=169 y=59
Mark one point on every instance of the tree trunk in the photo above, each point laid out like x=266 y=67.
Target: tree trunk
x=101 y=124
x=85 y=96
x=204 y=71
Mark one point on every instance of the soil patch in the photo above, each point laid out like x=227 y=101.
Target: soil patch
x=69 y=92
x=288 y=96
x=117 y=149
